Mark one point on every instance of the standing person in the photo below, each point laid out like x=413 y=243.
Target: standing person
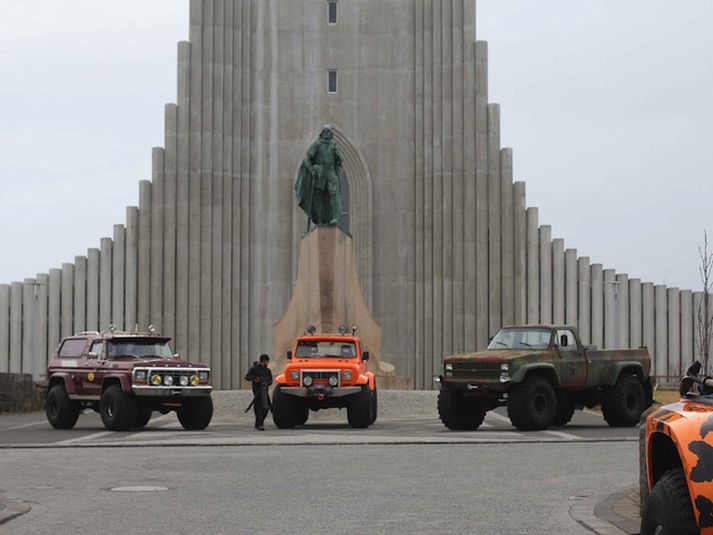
x=261 y=378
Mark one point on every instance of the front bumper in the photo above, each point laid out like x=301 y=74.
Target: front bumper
x=336 y=392
x=170 y=391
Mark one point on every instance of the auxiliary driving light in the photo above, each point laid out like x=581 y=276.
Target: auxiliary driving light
x=195 y=380
x=184 y=380
x=307 y=380
x=294 y=375
x=343 y=329
x=156 y=380
x=333 y=381
x=168 y=380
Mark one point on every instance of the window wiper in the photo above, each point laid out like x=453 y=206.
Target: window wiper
x=501 y=343
x=525 y=344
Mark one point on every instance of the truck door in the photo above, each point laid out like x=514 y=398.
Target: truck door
x=571 y=363
x=92 y=377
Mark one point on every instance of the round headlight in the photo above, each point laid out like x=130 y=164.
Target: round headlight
x=307 y=380
x=155 y=380
x=333 y=381
x=294 y=374
x=504 y=367
x=184 y=380
x=168 y=380
x=347 y=375
x=195 y=380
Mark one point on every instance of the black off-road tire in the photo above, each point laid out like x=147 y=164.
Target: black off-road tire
x=668 y=510
x=62 y=412
x=117 y=409
x=457 y=412
x=143 y=415
x=565 y=408
x=284 y=412
x=624 y=403
x=359 y=409
x=532 y=404
x=301 y=416
x=374 y=405
x=196 y=413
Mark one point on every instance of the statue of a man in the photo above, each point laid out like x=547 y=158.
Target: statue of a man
x=317 y=187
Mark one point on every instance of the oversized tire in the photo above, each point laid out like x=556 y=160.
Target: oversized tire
x=62 y=412
x=624 y=403
x=284 y=412
x=565 y=408
x=359 y=409
x=668 y=510
x=532 y=404
x=301 y=416
x=374 y=405
x=195 y=414
x=117 y=409
x=143 y=415
x=457 y=412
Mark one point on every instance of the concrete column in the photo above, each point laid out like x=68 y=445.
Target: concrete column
x=584 y=295
x=546 y=274
x=558 y=282
x=156 y=242
x=28 y=320
x=39 y=339
x=469 y=199
x=16 y=327
x=623 y=309
x=80 y=294
x=143 y=279
x=170 y=228
x=687 y=335
x=4 y=328
x=131 y=268
x=674 y=333
x=54 y=312
x=648 y=321
x=597 y=305
x=67 y=299
x=481 y=191
x=508 y=237
x=93 y=263
x=635 y=315
x=533 y=267
x=106 y=263
x=118 y=277
x=520 y=252
x=494 y=226
x=660 y=358
x=571 y=306
x=610 y=320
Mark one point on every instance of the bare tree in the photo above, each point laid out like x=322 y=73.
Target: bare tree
x=704 y=314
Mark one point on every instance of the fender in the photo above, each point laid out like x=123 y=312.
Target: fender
x=547 y=367
x=280 y=379
x=63 y=377
x=364 y=379
x=612 y=376
x=123 y=380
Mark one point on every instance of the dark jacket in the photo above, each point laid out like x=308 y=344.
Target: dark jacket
x=259 y=376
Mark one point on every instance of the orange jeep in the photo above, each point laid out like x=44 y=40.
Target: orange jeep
x=677 y=462
x=325 y=371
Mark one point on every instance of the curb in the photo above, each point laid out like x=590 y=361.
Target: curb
x=11 y=508
x=602 y=513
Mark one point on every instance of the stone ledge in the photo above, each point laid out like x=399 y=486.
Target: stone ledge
x=19 y=393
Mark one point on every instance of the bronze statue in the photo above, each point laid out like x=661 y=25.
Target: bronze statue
x=317 y=188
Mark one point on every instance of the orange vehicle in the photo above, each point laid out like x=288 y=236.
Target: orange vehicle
x=325 y=371
x=677 y=462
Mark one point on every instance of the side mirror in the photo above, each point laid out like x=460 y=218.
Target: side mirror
x=686 y=384
x=564 y=341
x=694 y=370
x=490 y=339
x=93 y=355
x=365 y=356
x=289 y=355
x=175 y=355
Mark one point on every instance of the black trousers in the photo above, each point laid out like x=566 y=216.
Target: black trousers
x=261 y=406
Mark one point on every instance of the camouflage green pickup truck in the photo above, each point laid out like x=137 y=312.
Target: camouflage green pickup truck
x=542 y=373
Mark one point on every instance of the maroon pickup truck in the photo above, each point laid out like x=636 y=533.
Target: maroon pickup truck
x=125 y=376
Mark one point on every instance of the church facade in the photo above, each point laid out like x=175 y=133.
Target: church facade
x=446 y=247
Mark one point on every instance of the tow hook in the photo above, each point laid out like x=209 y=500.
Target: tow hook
x=471 y=387
x=320 y=397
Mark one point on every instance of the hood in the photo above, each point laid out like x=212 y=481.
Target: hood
x=494 y=355
x=164 y=363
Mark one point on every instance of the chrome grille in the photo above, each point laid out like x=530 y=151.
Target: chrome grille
x=176 y=374
x=320 y=376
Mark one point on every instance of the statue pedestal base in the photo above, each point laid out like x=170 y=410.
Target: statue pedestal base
x=327 y=294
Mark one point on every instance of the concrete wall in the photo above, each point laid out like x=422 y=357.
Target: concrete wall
x=447 y=249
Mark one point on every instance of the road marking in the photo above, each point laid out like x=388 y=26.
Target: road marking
x=500 y=417
x=561 y=434
x=83 y=438
x=23 y=426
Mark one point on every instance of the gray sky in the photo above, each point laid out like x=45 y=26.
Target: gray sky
x=606 y=103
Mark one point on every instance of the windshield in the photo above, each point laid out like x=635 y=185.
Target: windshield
x=139 y=348
x=326 y=348
x=521 y=339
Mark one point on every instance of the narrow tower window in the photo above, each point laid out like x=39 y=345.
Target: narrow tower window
x=332 y=81
x=332 y=11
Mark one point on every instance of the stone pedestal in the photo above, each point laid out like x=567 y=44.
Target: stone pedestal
x=327 y=294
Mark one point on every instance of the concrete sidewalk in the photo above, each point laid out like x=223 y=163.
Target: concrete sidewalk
x=609 y=514
x=11 y=508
